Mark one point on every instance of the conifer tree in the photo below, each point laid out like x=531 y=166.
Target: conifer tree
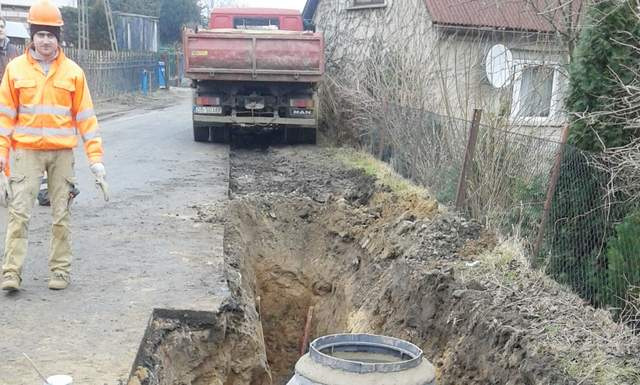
x=604 y=61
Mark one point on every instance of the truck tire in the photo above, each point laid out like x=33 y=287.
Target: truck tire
x=200 y=133
x=220 y=134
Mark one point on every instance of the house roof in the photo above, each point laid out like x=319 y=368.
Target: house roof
x=518 y=15
x=499 y=14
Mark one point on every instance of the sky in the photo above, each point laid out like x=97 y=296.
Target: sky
x=292 y=4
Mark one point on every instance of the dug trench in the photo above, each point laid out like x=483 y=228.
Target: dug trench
x=310 y=240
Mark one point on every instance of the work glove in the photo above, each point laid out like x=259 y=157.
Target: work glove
x=100 y=173
x=5 y=191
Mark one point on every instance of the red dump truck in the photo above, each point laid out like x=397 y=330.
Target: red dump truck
x=254 y=70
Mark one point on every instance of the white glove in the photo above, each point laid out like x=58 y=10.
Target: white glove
x=98 y=170
x=5 y=191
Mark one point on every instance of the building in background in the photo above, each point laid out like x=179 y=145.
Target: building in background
x=452 y=43
x=16 y=12
x=136 y=32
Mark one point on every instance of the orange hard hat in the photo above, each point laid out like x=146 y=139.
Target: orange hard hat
x=44 y=12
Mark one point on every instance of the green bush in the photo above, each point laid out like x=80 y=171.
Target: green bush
x=623 y=254
x=604 y=57
x=446 y=187
x=578 y=227
x=527 y=202
x=587 y=251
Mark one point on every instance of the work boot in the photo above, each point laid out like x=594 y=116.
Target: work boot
x=11 y=282
x=59 y=281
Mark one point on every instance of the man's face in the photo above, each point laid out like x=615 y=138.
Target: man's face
x=46 y=43
x=3 y=32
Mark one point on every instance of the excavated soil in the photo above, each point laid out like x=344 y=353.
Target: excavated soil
x=306 y=237
x=314 y=233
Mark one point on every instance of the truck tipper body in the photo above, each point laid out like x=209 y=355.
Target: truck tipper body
x=252 y=70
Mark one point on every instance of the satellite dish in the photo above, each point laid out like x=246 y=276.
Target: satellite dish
x=499 y=66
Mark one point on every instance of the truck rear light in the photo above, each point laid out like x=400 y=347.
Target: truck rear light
x=208 y=100
x=301 y=103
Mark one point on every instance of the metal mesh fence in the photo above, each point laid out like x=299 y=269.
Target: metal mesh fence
x=422 y=146
x=112 y=73
x=592 y=241
x=174 y=62
x=507 y=185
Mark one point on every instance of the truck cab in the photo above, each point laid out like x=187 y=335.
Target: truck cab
x=256 y=19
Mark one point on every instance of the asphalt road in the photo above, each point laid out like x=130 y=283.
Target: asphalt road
x=142 y=250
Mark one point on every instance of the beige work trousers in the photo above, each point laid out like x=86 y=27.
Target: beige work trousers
x=29 y=165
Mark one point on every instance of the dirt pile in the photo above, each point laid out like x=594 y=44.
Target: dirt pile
x=202 y=348
x=373 y=260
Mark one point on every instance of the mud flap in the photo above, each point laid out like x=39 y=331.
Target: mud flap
x=220 y=134
x=300 y=135
x=200 y=132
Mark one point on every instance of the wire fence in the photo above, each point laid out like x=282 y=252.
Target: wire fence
x=592 y=241
x=113 y=73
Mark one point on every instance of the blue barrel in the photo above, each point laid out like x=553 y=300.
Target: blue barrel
x=144 y=82
x=161 y=73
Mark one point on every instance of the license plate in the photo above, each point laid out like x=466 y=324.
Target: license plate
x=207 y=110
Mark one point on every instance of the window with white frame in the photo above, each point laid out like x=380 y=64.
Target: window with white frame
x=536 y=93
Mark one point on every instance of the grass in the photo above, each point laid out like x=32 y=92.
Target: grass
x=382 y=171
x=599 y=370
x=588 y=345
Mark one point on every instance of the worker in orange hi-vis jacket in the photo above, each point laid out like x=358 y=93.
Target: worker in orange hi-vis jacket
x=44 y=106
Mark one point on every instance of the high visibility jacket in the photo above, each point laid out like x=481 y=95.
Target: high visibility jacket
x=47 y=112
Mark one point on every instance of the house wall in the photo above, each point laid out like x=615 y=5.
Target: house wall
x=356 y=38
x=443 y=68
x=463 y=85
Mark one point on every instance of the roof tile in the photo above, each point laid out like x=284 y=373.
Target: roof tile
x=500 y=14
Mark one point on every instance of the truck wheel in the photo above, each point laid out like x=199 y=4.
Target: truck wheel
x=200 y=134
x=220 y=134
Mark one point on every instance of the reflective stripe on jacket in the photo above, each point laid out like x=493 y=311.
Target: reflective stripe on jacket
x=47 y=112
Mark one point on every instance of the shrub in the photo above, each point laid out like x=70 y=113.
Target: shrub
x=602 y=66
x=623 y=255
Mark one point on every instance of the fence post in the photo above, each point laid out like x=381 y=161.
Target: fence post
x=468 y=158
x=553 y=183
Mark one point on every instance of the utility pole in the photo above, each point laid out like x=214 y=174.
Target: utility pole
x=83 y=25
x=112 y=30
